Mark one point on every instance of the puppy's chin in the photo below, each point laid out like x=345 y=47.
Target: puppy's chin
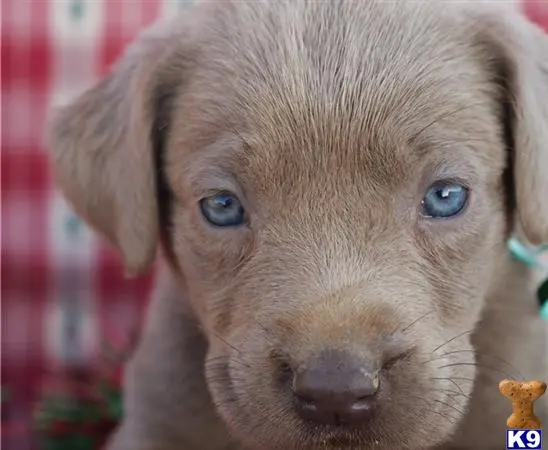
x=416 y=409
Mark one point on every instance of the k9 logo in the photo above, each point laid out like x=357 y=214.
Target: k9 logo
x=516 y=439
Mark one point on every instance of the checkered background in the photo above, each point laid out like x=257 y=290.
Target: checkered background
x=62 y=289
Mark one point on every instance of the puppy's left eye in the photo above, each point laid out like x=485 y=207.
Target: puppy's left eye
x=223 y=210
x=444 y=199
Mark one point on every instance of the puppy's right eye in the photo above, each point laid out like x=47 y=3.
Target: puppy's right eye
x=223 y=209
x=444 y=199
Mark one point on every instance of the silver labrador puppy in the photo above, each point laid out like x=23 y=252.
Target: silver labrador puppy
x=332 y=184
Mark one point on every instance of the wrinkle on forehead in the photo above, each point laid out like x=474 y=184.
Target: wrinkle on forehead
x=334 y=66
x=310 y=100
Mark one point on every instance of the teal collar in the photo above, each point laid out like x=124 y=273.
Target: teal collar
x=531 y=258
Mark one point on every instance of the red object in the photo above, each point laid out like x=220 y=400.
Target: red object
x=60 y=428
x=537 y=11
x=115 y=380
x=79 y=404
x=52 y=280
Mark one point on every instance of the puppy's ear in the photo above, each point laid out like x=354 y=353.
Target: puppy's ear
x=103 y=148
x=521 y=50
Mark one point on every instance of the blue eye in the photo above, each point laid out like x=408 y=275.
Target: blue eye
x=444 y=199
x=222 y=210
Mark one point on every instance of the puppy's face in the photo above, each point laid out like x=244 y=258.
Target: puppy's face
x=336 y=189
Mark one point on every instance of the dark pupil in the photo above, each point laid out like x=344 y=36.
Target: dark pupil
x=223 y=210
x=223 y=201
x=444 y=201
x=448 y=192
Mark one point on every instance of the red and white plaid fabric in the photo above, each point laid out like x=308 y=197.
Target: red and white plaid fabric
x=62 y=289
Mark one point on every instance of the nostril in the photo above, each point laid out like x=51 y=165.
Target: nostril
x=335 y=390
x=304 y=402
x=335 y=408
x=364 y=403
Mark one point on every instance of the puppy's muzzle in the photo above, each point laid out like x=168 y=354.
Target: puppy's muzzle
x=336 y=388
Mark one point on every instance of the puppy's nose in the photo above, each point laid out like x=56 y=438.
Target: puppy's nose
x=335 y=388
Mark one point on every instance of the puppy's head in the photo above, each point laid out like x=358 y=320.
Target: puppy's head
x=334 y=182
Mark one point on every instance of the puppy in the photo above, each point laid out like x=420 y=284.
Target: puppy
x=332 y=185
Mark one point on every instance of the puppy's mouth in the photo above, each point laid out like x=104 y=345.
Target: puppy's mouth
x=283 y=411
x=381 y=390
x=339 y=437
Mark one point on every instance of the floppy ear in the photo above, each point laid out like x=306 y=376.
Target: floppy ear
x=103 y=148
x=521 y=49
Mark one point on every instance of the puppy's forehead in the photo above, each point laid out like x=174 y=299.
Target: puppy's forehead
x=319 y=86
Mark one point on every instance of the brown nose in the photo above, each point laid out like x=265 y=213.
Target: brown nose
x=335 y=388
